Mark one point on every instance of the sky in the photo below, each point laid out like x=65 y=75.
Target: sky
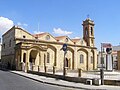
x=63 y=17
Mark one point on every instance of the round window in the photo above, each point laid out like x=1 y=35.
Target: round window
x=47 y=37
x=66 y=40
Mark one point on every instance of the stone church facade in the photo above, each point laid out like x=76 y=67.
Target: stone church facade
x=22 y=50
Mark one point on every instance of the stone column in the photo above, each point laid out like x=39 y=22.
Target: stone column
x=95 y=60
x=27 y=61
x=22 y=63
x=21 y=55
x=75 y=57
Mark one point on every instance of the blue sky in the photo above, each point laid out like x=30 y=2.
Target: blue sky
x=65 y=15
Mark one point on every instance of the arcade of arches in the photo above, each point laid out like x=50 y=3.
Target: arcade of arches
x=34 y=57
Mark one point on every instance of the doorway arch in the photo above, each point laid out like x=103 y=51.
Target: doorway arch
x=66 y=62
x=24 y=57
x=33 y=57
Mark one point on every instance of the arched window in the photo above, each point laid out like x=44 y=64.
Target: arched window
x=81 y=58
x=86 y=31
x=48 y=57
x=91 y=31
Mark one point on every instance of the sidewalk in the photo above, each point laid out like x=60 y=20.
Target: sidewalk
x=63 y=83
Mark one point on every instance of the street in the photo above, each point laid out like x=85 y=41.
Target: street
x=10 y=81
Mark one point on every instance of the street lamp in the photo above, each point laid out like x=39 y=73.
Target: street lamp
x=64 y=48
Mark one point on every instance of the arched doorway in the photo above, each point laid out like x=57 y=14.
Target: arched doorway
x=24 y=57
x=24 y=61
x=66 y=62
x=33 y=58
x=70 y=58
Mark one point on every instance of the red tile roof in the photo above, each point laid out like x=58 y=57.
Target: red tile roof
x=75 y=40
x=39 y=35
x=60 y=37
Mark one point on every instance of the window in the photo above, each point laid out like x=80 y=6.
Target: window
x=24 y=36
x=4 y=45
x=10 y=43
x=48 y=57
x=91 y=59
x=36 y=37
x=91 y=31
x=86 y=31
x=47 y=37
x=81 y=58
x=66 y=40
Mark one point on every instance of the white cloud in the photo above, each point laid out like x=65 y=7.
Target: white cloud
x=5 y=24
x=19 y=24
x=22 y=24
x=76 y=37
x=59 y=31
x=37 y=32
x=25 y=24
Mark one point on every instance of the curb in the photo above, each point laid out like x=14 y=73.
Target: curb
x=54 y=83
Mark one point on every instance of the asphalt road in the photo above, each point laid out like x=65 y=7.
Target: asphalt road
x=10 y=81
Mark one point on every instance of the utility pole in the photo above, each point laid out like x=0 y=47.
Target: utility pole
x=101 y=70
x=64 y=70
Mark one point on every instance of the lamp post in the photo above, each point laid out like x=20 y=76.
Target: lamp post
x=64 y=48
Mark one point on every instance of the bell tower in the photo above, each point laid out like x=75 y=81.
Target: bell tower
x=88 y=32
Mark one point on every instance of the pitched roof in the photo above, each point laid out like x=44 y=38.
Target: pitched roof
x=60 y=37
x=16 y=27
x=39 y=35
x=75 y=40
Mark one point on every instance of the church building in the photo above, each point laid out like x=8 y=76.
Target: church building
x=20 y=48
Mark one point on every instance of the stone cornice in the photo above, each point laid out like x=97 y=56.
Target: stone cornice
x=38 y=42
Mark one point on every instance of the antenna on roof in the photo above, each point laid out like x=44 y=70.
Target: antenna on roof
x=38 y=26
